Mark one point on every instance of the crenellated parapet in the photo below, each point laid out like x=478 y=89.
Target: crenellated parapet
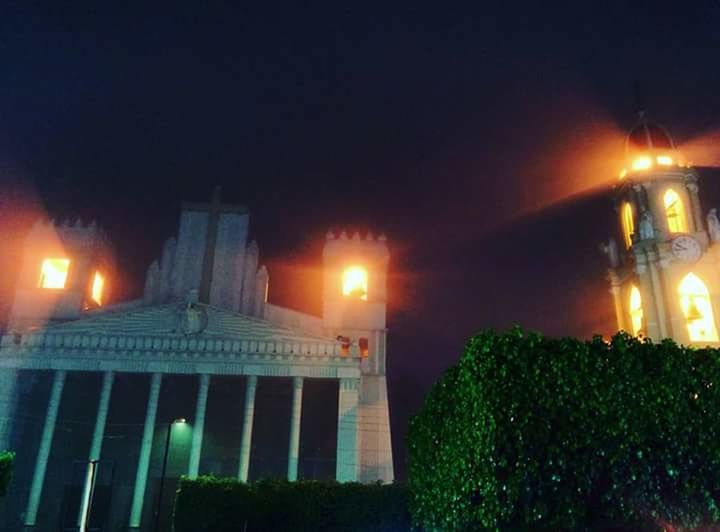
x=67 y=268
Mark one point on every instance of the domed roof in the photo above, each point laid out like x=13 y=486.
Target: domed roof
x=648 y=136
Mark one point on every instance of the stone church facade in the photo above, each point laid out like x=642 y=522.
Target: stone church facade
x=665 y=273
x=204 y=314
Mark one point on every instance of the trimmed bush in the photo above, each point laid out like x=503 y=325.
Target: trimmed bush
x=535 y=433
x=6 y=467
x=222 y=504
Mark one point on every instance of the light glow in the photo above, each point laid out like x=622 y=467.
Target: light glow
x=642 y=163
x=97 y=288
x=664 y=160
x=53 y=273
x=636 y=310
x=675 y=212
x=623 y=173
x=697 y=309
x=628 y=224
x=355 y=282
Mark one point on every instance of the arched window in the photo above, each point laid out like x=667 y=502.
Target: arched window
x=54 y=272
x=636 y=310
x=628 y=224
x=97 y=288
x=697 y=309
x=675 y=212
x=355 y=282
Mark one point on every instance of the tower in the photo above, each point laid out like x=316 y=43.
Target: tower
x=354 y=311
x=66 y=269
x=665 y=274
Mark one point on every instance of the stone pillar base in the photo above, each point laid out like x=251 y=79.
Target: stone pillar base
x=375 y=457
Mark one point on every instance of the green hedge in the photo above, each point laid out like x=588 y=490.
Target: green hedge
x=6 y=468
x=535 y=433
x=222 y=504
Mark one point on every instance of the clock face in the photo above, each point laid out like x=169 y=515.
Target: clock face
x=686 y=248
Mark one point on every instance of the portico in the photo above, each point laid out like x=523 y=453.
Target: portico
x=204 y=314
x=274 y=353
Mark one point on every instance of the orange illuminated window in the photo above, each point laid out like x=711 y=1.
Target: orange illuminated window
x=54 y=272
x=636 y=310
x=344 y=345
x=642 y=163
x=355 y=282
x=97 y=288
x=628 y=224
x=675 y=212
x=697 y=309
x=364 y=346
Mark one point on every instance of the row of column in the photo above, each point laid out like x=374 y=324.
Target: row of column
x=347 y=436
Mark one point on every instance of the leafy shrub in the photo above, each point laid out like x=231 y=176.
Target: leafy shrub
x=6 y=467
x=222 y=504
x=535 y=433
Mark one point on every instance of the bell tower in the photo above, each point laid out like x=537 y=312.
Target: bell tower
x=354 y=312
x=66 y=270
x=665 y=273
x=355 y=295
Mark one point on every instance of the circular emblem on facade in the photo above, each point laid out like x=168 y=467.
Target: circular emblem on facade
x=686 y=248
x=192 y=318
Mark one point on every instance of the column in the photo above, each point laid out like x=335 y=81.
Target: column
x=98 y=434
x=650 y=317
x=198 y=426
x=659 y=294
x=616 y=293
x=44 y=451
x=695 y=205
x=375 y=460
x=8 y=404
x=250 y=388
x=346 y=468
x=145 y=448
x=294 y=451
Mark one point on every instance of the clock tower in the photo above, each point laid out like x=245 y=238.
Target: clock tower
x=665 y=273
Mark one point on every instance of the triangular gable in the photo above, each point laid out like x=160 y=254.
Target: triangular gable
x=166 y=320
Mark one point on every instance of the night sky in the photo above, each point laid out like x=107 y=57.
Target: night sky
x=483 y=141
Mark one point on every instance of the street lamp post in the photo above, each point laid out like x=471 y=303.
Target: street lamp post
x=179 y=420
x=87 y=495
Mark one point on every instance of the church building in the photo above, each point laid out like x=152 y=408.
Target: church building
x=665 y=274
x=204 y=317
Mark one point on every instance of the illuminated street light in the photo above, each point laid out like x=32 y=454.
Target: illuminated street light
x=178 y=421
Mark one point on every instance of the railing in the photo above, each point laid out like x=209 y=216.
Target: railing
x=181 y=344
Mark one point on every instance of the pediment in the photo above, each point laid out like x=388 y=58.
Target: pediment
x=176 y=320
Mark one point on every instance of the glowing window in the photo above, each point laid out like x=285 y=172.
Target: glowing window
x=54 y=272
x=642 y=163
x=628 y=225
x=697 y=309
x=636 y=310
x=355 y=282
x=364 y=346
x=344 y=345
x=97 y=288
x=675 y=212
